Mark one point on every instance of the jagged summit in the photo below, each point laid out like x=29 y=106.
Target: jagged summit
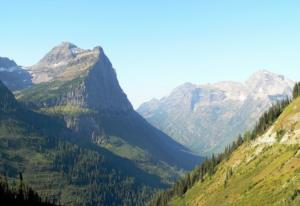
x=13 y=76
x=6 y=63
x=264 y=83
x=65 y=61
x=83 y=87
x=191 y=111
x=65 y=52
x=86 y=78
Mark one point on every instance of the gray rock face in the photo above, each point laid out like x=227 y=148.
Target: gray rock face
x=90 y=80
x=206 y=118
x=13 y=76
x=69 y=77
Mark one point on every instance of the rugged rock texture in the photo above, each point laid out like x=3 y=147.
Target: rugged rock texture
x=82 y=86
x=13 y=76
x=87 y=78
x=206 y=118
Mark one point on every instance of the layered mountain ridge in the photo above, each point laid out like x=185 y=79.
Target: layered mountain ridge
x=191 y=112
x=13 y=76
x=76 y=123
x=82 y=87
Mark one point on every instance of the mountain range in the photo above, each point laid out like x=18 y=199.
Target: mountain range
x=206 y=118
x=68 y=130
x=76 y=135
x=13 y=76
x=260 y=168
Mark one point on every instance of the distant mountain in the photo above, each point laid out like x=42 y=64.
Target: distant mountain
x=13 y=76
x=206 y=118
x=262 y=168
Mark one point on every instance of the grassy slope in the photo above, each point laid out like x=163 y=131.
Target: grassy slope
x=261 y=175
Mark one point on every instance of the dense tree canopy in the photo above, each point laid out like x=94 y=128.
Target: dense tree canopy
x=296 y=90
x=21 y=195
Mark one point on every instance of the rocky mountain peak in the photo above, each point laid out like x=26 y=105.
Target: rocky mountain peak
x=264 y=83
x=6 y=63
x=63 y=52
x=65 y=62
x=91 y=79
x=191 y=111
x=13 y=76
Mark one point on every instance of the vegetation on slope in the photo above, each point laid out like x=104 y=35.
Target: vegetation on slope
x=67 y=169
x=72 y=173
x=296 y=90
x=271 y=177
x=206 y=171
x=21 y=195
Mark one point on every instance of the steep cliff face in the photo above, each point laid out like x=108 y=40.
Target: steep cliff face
x=206 y=118
x=82 y=86
x=13 y=76
x=83 y=78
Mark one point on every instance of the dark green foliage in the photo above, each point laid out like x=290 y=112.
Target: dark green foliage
x=66 y=167
x=279 y=134
x=96 y=176
x=296 y=90
x=268 y=118
x=7 y=99
x=208 y=167
x=48 y=94
x=23 y=195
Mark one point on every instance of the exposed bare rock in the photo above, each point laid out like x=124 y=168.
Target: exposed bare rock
x=206 y=118
x=13 y=76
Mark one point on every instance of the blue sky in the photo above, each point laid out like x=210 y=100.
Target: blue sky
x=157 y=45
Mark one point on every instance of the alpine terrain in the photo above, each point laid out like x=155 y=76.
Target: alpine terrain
x=260 y=168
x=13 y=76
x=208 y=117
x=76 y=138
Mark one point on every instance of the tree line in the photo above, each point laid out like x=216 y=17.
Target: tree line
x=21 y=195
x=296 y=90
x=208 y=167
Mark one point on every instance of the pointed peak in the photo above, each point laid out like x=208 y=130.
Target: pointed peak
x=264 y=74
x=66 y=44
x=7 y=63
x=62 y=52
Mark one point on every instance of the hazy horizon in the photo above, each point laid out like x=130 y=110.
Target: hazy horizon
x=156 y=46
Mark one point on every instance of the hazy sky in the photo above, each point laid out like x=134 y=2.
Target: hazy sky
x=157 y=45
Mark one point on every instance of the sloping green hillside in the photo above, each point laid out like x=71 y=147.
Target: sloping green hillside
x=61 y=166
x=264 y=171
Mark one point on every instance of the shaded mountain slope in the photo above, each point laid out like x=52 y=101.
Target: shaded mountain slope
x=82 y=87
x=61 y=165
